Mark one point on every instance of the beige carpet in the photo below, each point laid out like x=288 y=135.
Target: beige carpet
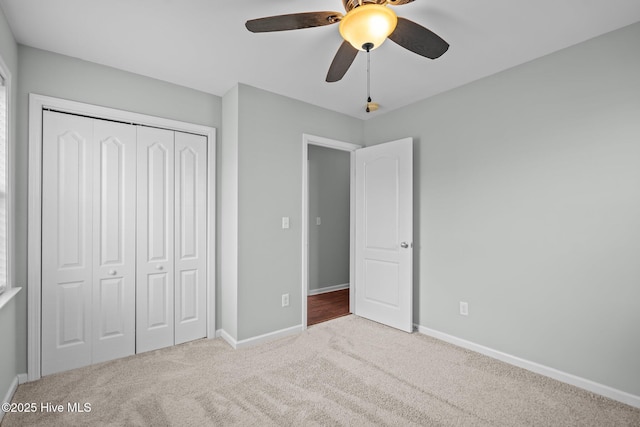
x=345 y=372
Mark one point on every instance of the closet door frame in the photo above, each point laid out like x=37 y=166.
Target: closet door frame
x=39 y=103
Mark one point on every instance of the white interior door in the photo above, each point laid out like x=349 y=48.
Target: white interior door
x=114 y=240
x=190 y=237
x=88 y=232
x=384 y=233
x=67 y=249
x=155 y=259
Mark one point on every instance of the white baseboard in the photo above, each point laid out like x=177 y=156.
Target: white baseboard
x=12 y=389
x=9 y=394
x=22 y=378
x=592 y=386
x=260 y=338
x=327 y=289
x=228 y=338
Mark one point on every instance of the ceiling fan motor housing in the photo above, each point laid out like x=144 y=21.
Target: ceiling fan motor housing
x=352 y=4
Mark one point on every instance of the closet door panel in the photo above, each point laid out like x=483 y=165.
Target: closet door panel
x=155 y=239
x=190 y=236
x=67 y=250
x=114 y=236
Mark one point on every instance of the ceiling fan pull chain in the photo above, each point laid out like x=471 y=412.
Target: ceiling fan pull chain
x=368 y=48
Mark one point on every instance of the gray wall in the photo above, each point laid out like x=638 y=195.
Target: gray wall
x=527 y=203
x=329 y=181
x=227 y=283
x=10 y=349
x=50 y=74
x=269 y=184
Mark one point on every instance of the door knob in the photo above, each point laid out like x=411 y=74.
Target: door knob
x=404 y=245
x=112 y=272
x=159 y=267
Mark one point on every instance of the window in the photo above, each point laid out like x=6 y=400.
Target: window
x=4 y=166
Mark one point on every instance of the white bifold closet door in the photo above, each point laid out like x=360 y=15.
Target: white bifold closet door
x=155 y=239
x=123 y=240
x=190 y=237
x=172 y=206
x=88 y=241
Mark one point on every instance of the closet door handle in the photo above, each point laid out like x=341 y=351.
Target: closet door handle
x=112 y=272
x=159 y=267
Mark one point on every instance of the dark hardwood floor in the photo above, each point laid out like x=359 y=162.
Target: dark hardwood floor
x=323 y=307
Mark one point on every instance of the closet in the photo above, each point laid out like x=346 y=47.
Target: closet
x=123 y=239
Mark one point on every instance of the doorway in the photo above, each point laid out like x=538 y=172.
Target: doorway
x=327 y=219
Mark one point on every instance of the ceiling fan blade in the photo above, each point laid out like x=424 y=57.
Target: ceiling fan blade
x=294 y=21
x=341 y=62
x=418 y=39
x=398 y=2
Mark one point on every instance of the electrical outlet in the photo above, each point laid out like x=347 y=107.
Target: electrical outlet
x=285 y=300
x=464 y=308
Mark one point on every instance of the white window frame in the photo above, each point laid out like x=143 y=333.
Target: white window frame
x=6 y=289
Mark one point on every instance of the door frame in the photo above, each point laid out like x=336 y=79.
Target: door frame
x=337 y=145
x=38 y=103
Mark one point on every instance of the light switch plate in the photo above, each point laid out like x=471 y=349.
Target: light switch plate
x=285 y=222
x=464 y=308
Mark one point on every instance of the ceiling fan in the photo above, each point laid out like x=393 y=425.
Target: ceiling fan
x=366 y=25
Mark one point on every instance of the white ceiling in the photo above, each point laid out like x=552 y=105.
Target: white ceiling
x=203 y=44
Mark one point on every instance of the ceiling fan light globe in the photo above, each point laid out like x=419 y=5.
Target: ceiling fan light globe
x=369 y=23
